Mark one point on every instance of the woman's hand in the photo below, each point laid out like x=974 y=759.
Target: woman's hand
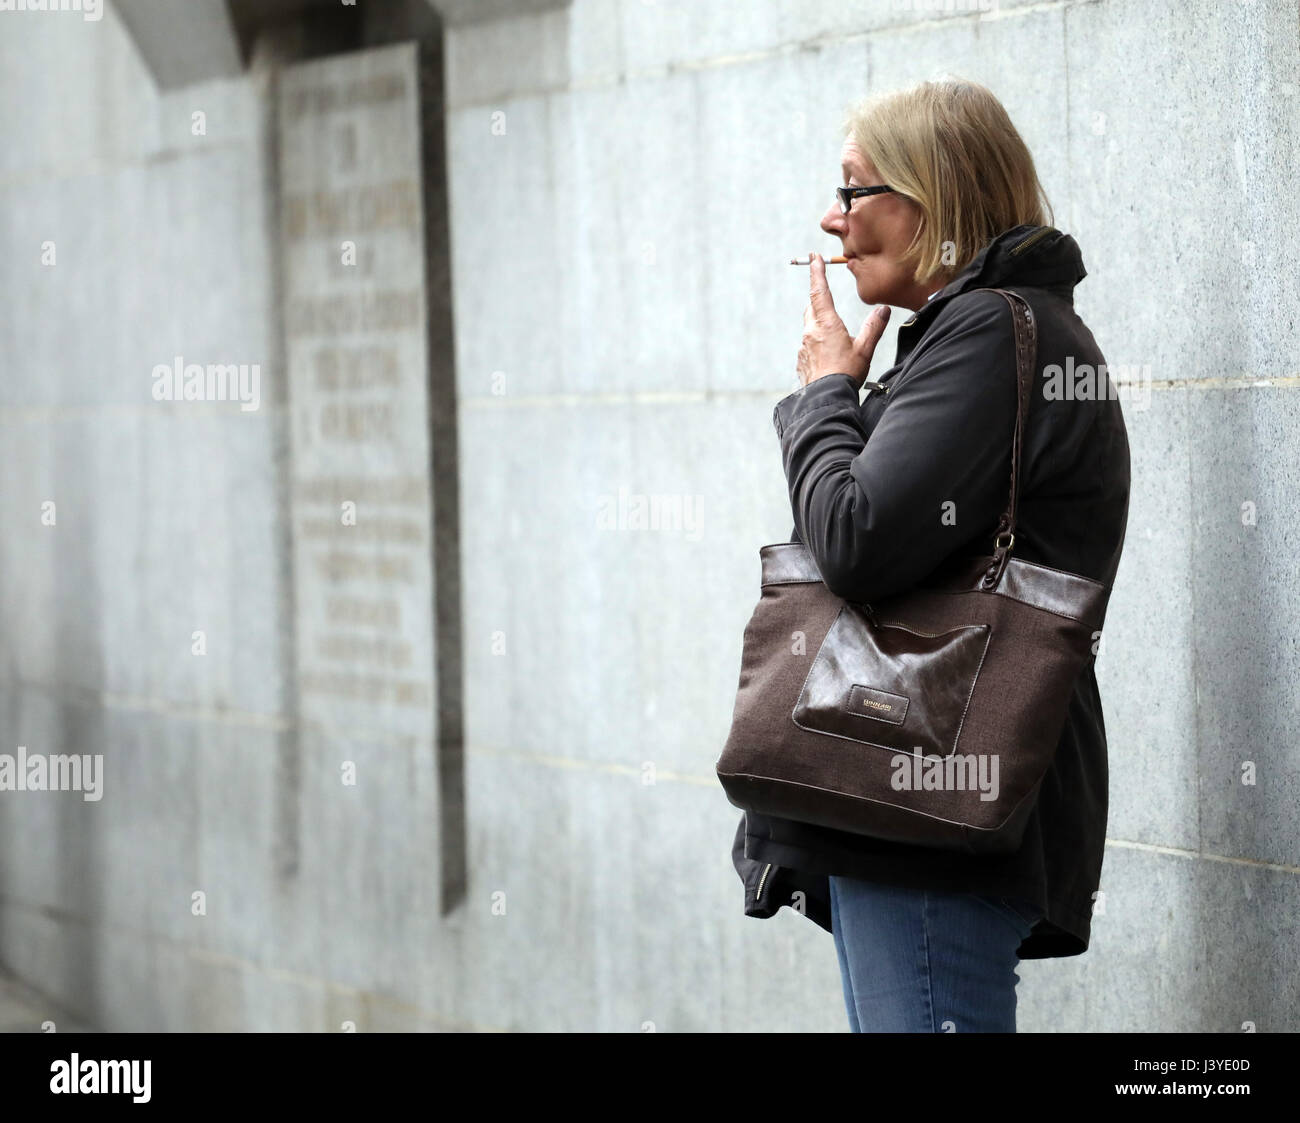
x=827 y=347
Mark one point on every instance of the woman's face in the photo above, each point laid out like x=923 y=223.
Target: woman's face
x=875 y=232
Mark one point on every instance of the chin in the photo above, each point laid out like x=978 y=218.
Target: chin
x=869 y=293
x=877 y=293
x=868 y=288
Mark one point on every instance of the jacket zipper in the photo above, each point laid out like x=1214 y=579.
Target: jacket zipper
x=759 y=895
x=1031 y=240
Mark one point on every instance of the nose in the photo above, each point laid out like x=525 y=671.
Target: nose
x=835 y=221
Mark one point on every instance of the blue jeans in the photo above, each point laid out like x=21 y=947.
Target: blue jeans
x=924 y=961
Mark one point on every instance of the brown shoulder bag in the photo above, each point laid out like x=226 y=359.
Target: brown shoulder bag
x=930 y=717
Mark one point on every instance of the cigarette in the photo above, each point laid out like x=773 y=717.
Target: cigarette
x=808 y=260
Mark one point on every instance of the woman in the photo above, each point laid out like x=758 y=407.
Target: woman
x=940 y=199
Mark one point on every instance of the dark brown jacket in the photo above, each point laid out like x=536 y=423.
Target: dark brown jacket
x=867 y=484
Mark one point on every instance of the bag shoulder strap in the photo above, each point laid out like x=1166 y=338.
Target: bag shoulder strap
x=1026 y=334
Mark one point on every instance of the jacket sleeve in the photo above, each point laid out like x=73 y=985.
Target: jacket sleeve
x=873 y=509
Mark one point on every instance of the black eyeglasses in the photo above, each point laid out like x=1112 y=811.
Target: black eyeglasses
x=846 y=195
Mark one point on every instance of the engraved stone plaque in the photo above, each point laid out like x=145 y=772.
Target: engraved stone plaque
x=352 y=247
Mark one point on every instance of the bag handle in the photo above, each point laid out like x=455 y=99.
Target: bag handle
x=1026 y=333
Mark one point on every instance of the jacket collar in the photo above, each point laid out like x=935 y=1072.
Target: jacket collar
x=1024 y=256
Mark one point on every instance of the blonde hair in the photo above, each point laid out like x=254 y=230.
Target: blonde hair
x=949 y=146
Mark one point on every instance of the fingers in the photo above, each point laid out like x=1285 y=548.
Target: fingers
x=819 y=291
x=872 y=329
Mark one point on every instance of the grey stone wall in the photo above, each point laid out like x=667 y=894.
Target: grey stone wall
x=626 y=179
x=674 y=155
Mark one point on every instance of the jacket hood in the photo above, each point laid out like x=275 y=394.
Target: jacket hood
x=1026 y=255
